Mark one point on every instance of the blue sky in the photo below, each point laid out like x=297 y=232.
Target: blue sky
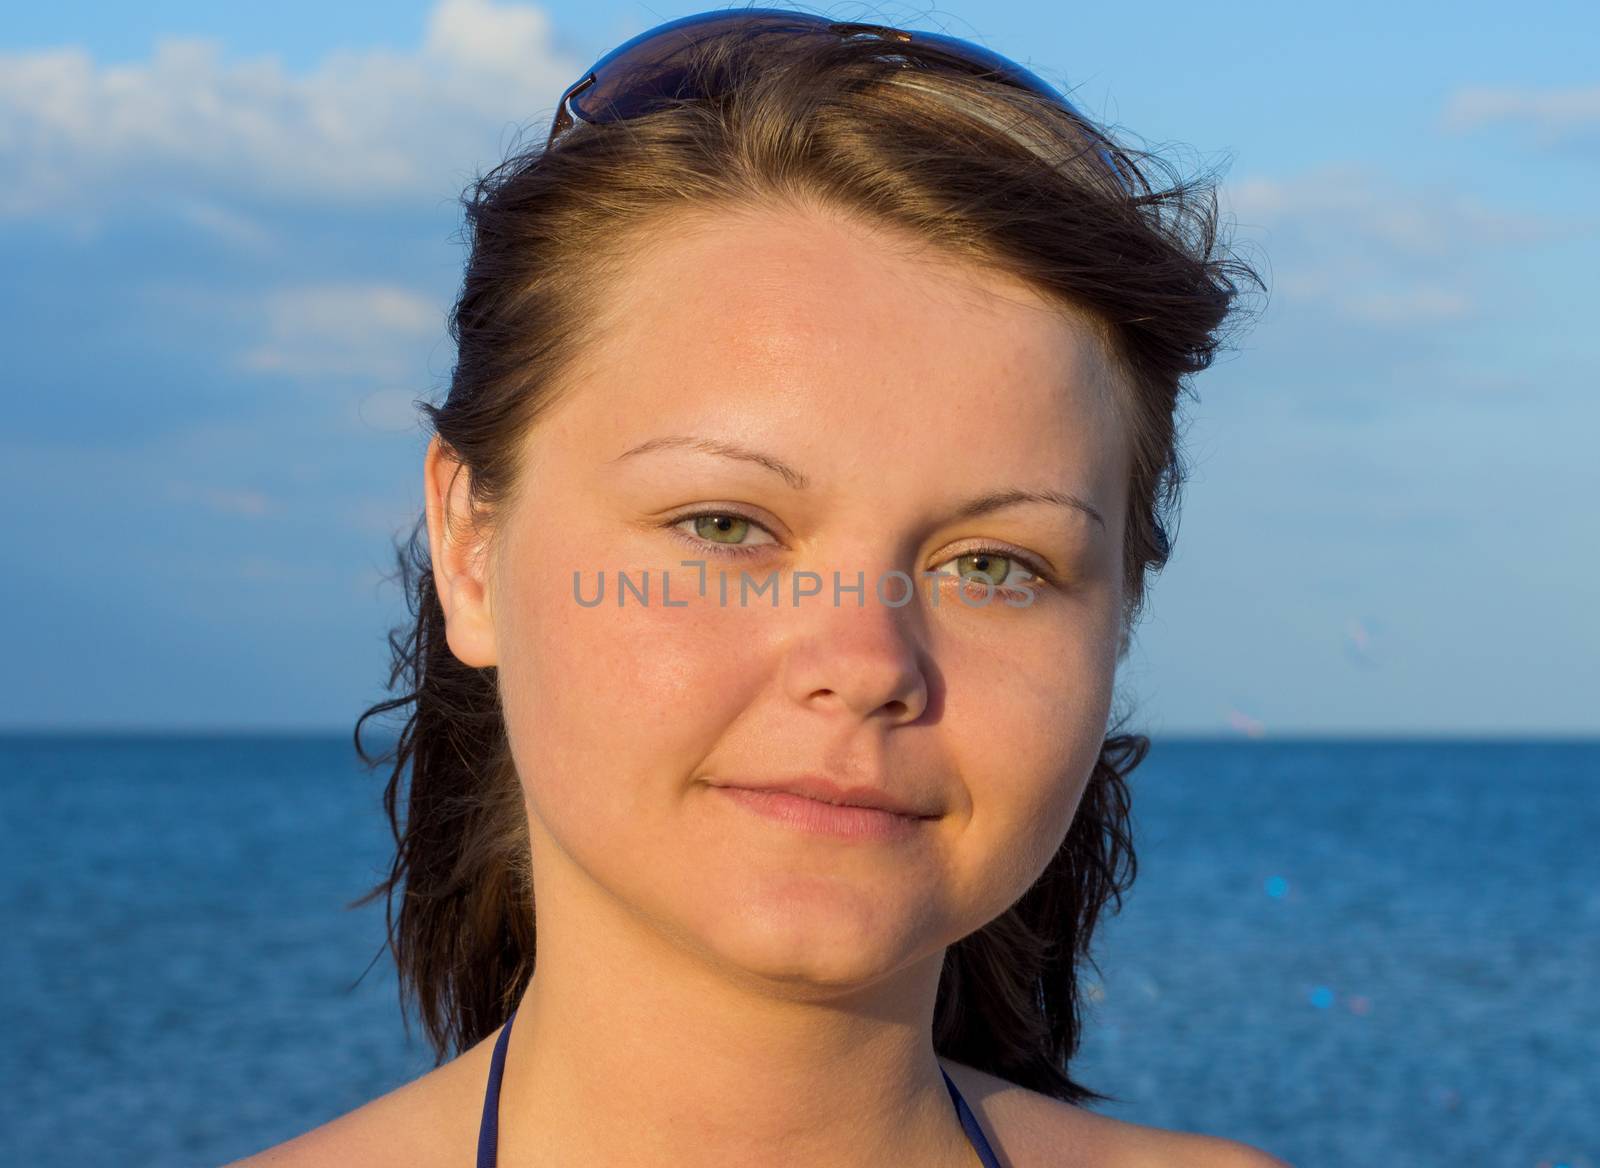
x=227 y=247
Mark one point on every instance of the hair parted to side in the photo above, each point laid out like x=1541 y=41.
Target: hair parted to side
x=986 y=172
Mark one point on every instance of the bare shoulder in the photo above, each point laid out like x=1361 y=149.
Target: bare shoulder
x=1193 y=1150
x=367 y=1137
x=427 y=1121
x=1037 y=1131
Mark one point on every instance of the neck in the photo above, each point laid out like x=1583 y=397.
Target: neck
x=630 y=1047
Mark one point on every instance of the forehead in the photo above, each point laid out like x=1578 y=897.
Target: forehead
x=792 y=313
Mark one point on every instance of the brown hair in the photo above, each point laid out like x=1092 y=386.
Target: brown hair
x=985 y=171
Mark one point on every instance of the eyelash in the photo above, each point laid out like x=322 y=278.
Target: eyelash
x=1041 y=578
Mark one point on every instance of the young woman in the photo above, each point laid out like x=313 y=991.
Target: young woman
x=811 y=440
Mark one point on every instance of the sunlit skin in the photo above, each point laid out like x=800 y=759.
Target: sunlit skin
x=713 y=987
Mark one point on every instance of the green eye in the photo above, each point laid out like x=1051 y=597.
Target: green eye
x=728 y=530
x=990 y=567
x=718 y=528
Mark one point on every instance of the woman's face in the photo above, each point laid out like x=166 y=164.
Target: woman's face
x=898 y=388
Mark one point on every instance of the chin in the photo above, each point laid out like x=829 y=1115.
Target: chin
x=815 y=931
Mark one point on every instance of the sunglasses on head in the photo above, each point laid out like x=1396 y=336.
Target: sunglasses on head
x=650 y=70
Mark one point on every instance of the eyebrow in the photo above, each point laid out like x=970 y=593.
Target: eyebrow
x=978 y=505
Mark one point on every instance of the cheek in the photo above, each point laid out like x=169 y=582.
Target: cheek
x=611 y=709
x=1027 y=717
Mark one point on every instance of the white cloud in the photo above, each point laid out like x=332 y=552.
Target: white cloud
x=227 y=501
x=1357 y=244
x=1421 y=302
x=388 y=410
x=222 y=223
x=78 y=138
x=385 y=516
x=365 y=330
x=1554 y=115
x=478 y=36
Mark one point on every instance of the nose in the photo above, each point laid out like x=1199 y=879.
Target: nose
x=863 y=657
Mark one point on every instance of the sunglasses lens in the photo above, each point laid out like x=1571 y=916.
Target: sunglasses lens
x=965 y=54
x=651 y=69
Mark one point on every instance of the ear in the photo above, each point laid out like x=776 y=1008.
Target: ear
x=460 y=567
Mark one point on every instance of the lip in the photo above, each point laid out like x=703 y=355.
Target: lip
x=834 y=819
x=826 y=791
